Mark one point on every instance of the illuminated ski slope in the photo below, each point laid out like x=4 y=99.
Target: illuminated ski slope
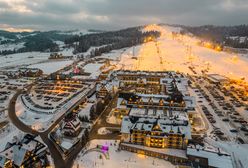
x=168 y=53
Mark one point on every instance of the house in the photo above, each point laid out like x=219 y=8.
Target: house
x=71 y=126
x=24 y=72
x=154 y=108
x=102 y=93
x=56 y=56
x=30 y=72
x=28 y=152
x=155 y=132
x=208 y=158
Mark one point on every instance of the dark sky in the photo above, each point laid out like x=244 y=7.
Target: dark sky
x=115 y=14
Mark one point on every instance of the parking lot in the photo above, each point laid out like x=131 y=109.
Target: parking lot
x=7 y=88
x=225 y=108
x=51 y=95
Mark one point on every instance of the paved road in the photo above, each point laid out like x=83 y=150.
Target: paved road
x=58 y=160
x=101 y=122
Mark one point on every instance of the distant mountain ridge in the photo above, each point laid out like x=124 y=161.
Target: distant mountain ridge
x=81 y=40
x=78 y=40
x=15 y=42
x=232 y=36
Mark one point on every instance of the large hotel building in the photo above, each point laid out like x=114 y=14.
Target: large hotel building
x=157 y=110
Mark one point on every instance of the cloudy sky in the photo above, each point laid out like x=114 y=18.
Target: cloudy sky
x=115 y=14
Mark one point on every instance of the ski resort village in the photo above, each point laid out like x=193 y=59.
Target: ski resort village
x=161 y=98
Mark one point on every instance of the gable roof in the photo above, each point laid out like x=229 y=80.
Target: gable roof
x=156 y=127
x=19 y=155
x=3 y=159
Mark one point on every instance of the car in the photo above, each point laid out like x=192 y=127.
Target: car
x=225 y=119
x=243 y=128
x=219 y=133
x=233 y=130
x=240 y=140
x=236 y=120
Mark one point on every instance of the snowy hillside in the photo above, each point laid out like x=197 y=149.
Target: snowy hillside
x=170 y=53
x=78 y=32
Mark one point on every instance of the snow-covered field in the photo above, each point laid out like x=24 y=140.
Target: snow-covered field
x=171 y=54
x=94 y=69
x=121 y=159
x=11 y=46
x=53 y=66
x=20 y=59
x=67 y=52
x=167 y=54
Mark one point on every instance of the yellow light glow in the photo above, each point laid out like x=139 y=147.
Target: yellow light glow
x=208 y=45
x=141 y=156
x=235 y=59
x=218 y=48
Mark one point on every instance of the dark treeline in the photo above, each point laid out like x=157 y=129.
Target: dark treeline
x=35 y=41
x=39 y=43
x=221 y=34
x=104 y=41
x=7 y=52
x=109 y=40
x=12 y=35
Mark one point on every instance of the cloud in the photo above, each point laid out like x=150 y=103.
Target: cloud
x=115 y=14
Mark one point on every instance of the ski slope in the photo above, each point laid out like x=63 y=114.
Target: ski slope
x=168 y=53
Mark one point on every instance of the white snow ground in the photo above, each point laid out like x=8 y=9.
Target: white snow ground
x=53 y=66
x=103 y=131
x=11 y=46
x=94 y=69
x=28 y=58
x=35 y=120
x=117 y=158
x=237 y=151
x=171 y=54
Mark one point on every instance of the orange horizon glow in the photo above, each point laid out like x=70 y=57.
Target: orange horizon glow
x=16 y=30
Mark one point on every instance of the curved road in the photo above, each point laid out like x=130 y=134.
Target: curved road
x=58 y=160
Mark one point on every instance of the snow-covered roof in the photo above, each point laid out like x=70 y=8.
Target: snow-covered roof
x=158 y=113
x=217 y=78
x=3 y=159
x=66 y=145
x=167 y=151
x=126 y=125
x=72 y=124
x=190 y=102
x=19 y=154
x=166 y=125
x=85 y=111
x=214 y=159
x=119 y=103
